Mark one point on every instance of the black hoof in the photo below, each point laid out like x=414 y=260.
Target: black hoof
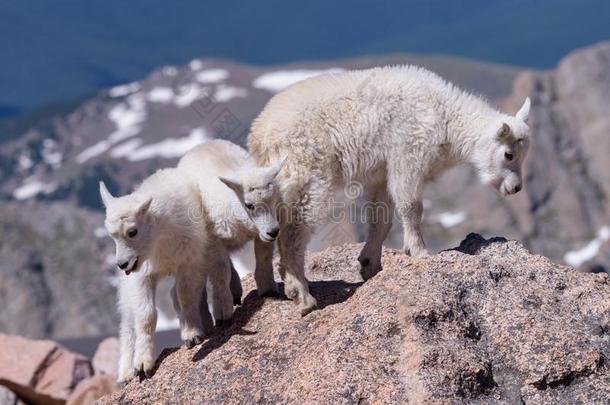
x=236 y=301
x=140 y=374
x=148 y=373
x=190 y=343
x=367 y=271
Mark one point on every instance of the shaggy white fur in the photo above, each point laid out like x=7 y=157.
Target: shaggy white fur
x=392 y=129
x=240 y=200
x=158 y=232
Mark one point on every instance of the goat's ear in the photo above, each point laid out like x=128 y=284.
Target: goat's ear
x=524 y=111
x=105 y=194
x=275 y=169
x=503 y=132
x=233 y=185
x=143 y=208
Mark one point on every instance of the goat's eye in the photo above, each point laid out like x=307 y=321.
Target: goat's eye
x=249 y=206
x=132 y=232
x=509 y=156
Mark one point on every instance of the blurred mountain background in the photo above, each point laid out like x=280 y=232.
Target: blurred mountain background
x=115 y=90
x=67 y=49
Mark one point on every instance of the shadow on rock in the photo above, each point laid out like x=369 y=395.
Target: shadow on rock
x=475 y=243
x=251 y=304
x=332 y=292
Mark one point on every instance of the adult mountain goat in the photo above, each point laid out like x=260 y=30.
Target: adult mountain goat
x=392 y=129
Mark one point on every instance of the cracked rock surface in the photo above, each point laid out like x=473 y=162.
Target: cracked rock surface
x=485 y=322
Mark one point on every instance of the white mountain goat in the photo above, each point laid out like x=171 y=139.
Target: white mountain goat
x=391 y=129
x=159 y=231
x=240 y=200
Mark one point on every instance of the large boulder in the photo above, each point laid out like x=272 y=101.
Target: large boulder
x=106 y=357
x=92 y=388
x=40 y=371
x=486 y=322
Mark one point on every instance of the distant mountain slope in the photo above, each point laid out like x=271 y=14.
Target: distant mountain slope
x=125 y=133
x=61 y=50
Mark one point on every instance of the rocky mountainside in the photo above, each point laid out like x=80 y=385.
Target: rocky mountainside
x=54 y=282
x=487 y=322
x=123 y=134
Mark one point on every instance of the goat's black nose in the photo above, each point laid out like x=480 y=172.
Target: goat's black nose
x=273 y=233
x=518 y=188
x=123 y=265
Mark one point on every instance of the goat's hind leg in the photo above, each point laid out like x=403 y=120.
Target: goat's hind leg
x=263 y=273
x=188 y=295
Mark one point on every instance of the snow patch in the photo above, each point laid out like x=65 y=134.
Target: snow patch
x=128 y=117
x=49 y=153
x=160 y=95
x=31 y=187
x=25 y=161
x=225 y=93
x=579 y=256
x=169 y=71
x=126 y=148
x=93 y=151
x=212 y=75
x=124 y=89
x=279 y=80
x=169 y=148
x=450 y=219
x=196 y=64
x=189 y=93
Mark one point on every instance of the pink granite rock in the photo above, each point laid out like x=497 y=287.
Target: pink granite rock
x=106 y=358
x=40 y=371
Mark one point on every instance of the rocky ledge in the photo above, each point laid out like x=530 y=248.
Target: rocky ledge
x=485 y=322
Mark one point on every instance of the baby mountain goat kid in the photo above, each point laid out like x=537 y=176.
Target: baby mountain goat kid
x=240 y=200
x=392 y=129
x=159 y=230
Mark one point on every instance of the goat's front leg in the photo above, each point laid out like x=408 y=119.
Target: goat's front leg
x=220 y=297
x=407 y=198
x=145 y=322
x=263 y=273
x=379 y=214
x=127 y=336
x=189 y=287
